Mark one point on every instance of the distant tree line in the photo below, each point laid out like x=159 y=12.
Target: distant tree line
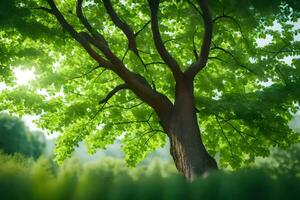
x=15 y=137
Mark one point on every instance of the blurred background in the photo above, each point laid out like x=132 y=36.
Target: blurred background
x=27 y=171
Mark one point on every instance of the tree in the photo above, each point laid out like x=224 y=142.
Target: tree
x=152 y=70
x=16 y=138
x=282 y=162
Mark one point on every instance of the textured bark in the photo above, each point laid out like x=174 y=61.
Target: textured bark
x=187 y=149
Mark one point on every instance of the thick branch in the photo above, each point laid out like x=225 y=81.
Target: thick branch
x=86 y=23
x=135 y=82
x=208 y=29
x=159 y=44
x=97 y=40
x=113 y=92
x=138 y=84
x=63 y=22
x=127 y=30
x=117 y=63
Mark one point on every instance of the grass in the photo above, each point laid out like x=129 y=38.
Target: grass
x=26 y=179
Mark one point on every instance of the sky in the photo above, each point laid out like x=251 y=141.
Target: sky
x=295 y=122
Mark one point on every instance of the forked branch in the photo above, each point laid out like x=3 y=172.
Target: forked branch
x=125 y=28
x=138 y=84
x=159 y=44
x=63 y=22
x=206 y=42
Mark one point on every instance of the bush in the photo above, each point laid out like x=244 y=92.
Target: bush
x=22 y=178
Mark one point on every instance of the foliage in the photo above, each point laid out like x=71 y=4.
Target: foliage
x=240 y=117
x=110 y=179
x=282 y=162
x=16 y=138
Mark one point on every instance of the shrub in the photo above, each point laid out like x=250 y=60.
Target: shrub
x=23 y=178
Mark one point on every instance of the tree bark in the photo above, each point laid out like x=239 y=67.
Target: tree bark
x=186 y=147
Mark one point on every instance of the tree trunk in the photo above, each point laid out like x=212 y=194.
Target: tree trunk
x=186 y=147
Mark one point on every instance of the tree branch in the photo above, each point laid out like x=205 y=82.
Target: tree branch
x=43 y=9
x=138 y=84
x=113 y=92
x=226 y=138
x=134 y=122
x=126 y=29
x=143 y=134
x=195 y=7
x=234 y=58
x=164 y=54
x=194 y=46
x=117 y=63
x=63 y=22
x=197 y=66
x=155 y=63
x=226 y=16
x=128 y=107
x=86 y=23
x=155 y=132
x=136 y=51
x=97 y=40
x=139 y=31
x=85 y=74
x=237 y=130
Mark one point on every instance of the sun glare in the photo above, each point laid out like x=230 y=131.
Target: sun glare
x=23 y=76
